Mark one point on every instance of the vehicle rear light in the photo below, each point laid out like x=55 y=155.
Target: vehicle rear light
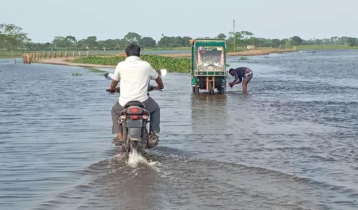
x=134 y=110
x=145 y=117
x=134 y=117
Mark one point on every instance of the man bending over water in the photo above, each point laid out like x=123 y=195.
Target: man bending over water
x=239 y=74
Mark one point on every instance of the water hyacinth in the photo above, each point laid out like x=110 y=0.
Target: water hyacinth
x=181 y=65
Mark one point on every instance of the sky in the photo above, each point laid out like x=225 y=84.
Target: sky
x=113 y=19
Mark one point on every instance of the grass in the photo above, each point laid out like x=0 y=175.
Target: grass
x=8 y=54
x=181 y=65
x=94 y=70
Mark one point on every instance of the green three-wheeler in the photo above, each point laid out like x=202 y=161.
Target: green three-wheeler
x=208 y=65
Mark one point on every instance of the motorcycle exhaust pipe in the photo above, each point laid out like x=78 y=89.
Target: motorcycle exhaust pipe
x=153 y=141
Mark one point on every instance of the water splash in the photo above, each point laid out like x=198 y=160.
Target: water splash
x=135 y=158
x=117 y=158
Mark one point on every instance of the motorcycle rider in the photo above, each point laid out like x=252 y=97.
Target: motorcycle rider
x=134 y=76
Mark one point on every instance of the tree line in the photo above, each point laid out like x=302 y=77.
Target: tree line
x=92 y=43
x=13 y=38
x=245 y=38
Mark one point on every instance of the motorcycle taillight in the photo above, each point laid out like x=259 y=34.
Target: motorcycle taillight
x=134 y=110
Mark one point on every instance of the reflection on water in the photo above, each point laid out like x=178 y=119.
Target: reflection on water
x=290 y=143
x=209 y=112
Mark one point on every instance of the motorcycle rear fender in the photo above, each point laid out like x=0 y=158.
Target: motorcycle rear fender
x=135 y=133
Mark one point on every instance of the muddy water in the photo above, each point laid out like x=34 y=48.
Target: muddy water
x=291 y=143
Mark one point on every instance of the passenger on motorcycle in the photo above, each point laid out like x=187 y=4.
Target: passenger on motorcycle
x=134 y=76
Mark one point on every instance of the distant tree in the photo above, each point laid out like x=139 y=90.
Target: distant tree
x=343 y=40
x=72 y=40
x=60 y=42
x=319 y=42
x=275 y=43
x=288 y=43
x=164 y=41
x=236 y=35
x=177 y=41
x=186 y=41
x=12 y=37
x=241 y=38
x=334 y=40
x=351 y=42
x=308 y=42
x=132 y=37
x=109 y=44
x=89 y=43
x=285 y=42
x=221 y=36
x=296 y=40
x=147 y=42
x=246 y=34
x=123 y=43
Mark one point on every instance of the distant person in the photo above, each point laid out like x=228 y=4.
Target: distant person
x=242 y=75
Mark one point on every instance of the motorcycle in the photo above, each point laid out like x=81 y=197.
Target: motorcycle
x=135 y=122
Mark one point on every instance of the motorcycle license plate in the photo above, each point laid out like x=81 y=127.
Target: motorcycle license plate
x=134 y=123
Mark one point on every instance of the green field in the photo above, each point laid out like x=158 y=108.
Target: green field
x=8 y=54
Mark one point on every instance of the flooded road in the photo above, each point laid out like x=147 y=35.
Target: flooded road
x=290 y=143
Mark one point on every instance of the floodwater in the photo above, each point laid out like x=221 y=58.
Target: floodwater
x=290 y=143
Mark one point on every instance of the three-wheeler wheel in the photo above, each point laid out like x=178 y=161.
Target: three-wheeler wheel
x=209 y=84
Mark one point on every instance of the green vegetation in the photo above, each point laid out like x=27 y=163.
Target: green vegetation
x=12 y=38
x=91 y=43
x=181 y=65
x=244 y=38
x=243 y=58
x=94 y=70
x=76 y=74
x=8 y=54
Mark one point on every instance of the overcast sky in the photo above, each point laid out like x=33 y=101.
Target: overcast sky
x=111 y=19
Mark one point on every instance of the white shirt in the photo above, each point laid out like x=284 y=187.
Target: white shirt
x=134 y=76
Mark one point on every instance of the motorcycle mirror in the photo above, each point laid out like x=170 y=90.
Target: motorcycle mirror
x=109 y=76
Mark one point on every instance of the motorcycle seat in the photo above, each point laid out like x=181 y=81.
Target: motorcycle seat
x=135 y=103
